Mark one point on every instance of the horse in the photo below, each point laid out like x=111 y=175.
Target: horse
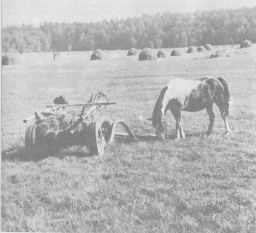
x=191 y=95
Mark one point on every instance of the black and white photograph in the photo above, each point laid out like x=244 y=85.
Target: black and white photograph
x=128 y=116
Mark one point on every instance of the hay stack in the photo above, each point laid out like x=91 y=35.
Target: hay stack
x=9 y=59
x=175 y=53
x=161 y=54
x=97 y=55
x=245 y=44
x=201 y=49
x=208 y=47
x=191 y=49
x=132 y=52
x=146 y=54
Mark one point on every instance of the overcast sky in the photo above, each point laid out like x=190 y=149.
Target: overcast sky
x=16 y=12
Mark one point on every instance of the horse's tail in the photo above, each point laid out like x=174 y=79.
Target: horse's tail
x=225 y=93
x=225 y=85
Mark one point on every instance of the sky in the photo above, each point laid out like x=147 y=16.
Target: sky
x=17 y=12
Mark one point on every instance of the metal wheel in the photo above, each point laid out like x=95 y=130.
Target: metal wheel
x=30 y=138
x=105 y=124
x=36 y=148
x=97 y=141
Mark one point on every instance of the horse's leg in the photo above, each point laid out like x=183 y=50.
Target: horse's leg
x=177 y=128
x=211 y=117
x=177 y=116
x=176 y=111
x=182 y=134
x=225 y=118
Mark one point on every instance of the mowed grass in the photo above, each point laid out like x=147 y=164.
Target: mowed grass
x=198 y=184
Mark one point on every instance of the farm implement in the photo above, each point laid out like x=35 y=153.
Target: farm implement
x=59 y=126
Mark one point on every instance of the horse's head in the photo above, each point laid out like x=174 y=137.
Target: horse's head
x=158 y=116
x=161 y=128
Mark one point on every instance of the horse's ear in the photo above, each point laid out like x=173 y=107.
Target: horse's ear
x=150 y=119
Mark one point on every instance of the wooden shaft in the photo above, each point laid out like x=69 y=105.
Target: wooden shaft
x=73 y=105
x=29 y=118
x=33 y=116
x=89 y=112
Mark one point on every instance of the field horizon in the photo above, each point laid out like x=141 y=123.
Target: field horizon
x=197 y=184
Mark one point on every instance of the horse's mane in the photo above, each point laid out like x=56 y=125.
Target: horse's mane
x=158 y=106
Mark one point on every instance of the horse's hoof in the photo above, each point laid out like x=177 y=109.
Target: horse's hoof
x=227 y=133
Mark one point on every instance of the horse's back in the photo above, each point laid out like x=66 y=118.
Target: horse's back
x=209 y=80
x=181 y=88
x=214 y=83
x=204 y=95
x=192 y=94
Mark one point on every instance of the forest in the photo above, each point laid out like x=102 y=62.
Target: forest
x=218 y=27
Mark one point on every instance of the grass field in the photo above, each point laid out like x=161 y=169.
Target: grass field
x=197 y=184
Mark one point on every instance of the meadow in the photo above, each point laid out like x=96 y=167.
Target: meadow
x=197 y=184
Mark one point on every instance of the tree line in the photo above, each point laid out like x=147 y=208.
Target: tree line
x=158 y=31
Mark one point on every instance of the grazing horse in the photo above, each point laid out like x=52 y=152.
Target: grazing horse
x=191 y=96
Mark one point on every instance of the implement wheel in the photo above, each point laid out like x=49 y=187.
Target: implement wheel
x=105 y=123
x=35 y=148
x=30 y=139
x=97 y=141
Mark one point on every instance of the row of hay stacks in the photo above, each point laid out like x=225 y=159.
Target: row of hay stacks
x=145 y=54
x=162 y=54
x=206 y=47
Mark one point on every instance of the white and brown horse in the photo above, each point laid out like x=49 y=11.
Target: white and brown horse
x=191 y=96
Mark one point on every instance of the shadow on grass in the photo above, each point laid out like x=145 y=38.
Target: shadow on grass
x=13 y=153
x=153 y=138
x=17 y=152
x=128 y=140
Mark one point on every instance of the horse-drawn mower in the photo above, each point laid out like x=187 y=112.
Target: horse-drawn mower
x=60 y=126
